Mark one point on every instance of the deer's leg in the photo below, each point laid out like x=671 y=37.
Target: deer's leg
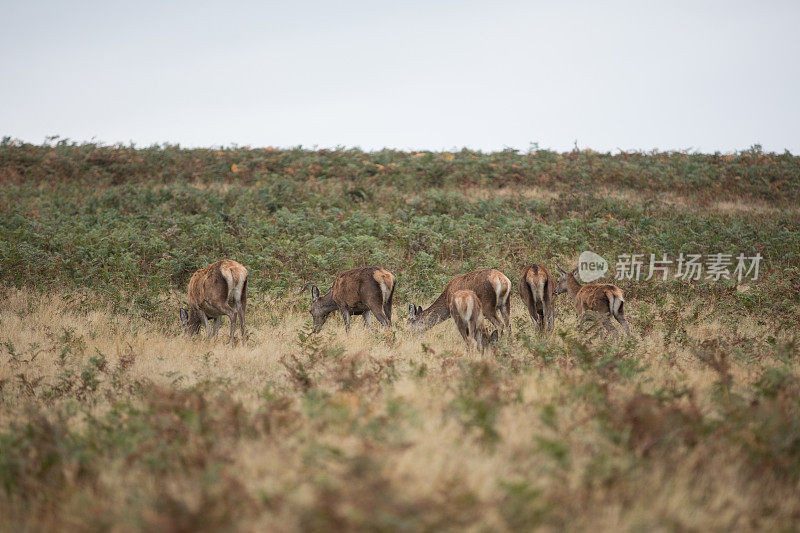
x=463 y=329
x=346 y=317
x=367 y=319
x=492 y=317
x=232 y=317
x=387 y=312
x=505 y=312
x=532 y=313
x=526 y=296
x=623 y=323
x=240 y=310
x=535 y=320
x=387 y=309
x=540 y=321
x=204 y=320
x=382 y=318
x=215 y=328
x=543 y=317
x=376 y=307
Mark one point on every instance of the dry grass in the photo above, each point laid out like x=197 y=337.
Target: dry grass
x=375 y=430
x=709 y=204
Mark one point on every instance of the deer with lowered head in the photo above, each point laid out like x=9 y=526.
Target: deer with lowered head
x=605 y=299
x=217 y=290
x=467 y=312
x=492 y=288
x=363 y=291
x=536 y=289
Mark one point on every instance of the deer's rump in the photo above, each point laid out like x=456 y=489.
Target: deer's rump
x=223 y=282
x=360 y=287
x=482 y=282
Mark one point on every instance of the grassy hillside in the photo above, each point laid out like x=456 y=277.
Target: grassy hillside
x=110 y=417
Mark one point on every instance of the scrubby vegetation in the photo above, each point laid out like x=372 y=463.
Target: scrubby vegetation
x=109 y=418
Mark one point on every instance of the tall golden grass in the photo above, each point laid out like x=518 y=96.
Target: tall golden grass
x=113 y=422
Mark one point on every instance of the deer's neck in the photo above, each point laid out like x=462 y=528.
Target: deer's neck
x=436 y=313
x=327 y=304
x=195 y=321
x=573 y=286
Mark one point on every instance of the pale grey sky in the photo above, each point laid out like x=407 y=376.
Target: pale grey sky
x=412 y=75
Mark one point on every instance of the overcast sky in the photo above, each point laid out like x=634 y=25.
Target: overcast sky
x=696 y=75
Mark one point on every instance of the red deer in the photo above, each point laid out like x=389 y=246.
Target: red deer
x=490 y=285
x=217 y=290
x=536 y=288
x=602 y=298
x=361 y=291
x=466 y=310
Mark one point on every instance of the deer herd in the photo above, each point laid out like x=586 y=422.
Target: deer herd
x=471 y=299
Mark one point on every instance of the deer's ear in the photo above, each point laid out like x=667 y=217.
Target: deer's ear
x=184 y=314
x=419 y=309
x=494 y=336
x=314 y=293
x=412 y=311
x=575 y=272
x=558 y=267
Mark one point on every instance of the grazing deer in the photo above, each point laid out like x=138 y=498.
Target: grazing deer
x=602 y=298
x=217 y=290
x=361 y=291
x=466 y=310
x=490 y=285
x=536 y=288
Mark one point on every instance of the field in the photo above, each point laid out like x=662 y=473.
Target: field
x=110 y=419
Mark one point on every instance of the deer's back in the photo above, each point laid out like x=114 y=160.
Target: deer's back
x=595 y=297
